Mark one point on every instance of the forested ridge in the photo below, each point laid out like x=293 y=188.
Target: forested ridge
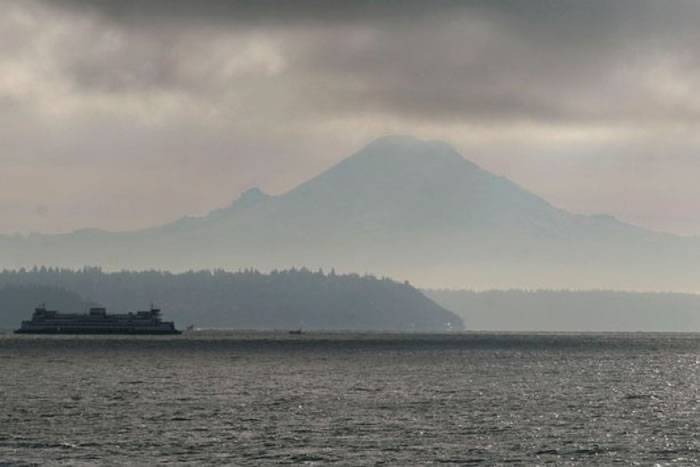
x=572 y=310
x=248 y=299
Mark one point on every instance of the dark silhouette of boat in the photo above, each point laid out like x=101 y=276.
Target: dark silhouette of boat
x=96 y=321
x=296 y=331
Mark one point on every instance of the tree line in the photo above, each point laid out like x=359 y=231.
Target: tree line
x=248 y=299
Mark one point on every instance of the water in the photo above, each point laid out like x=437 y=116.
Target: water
x=251 y=399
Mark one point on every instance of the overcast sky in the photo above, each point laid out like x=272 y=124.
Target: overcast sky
x=129 y=114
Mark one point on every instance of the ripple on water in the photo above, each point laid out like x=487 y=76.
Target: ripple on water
x=354 y=399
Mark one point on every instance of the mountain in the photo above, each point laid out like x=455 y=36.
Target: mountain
x=401 y=207
x=245 y=300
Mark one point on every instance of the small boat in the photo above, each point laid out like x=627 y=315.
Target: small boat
x=296 y=331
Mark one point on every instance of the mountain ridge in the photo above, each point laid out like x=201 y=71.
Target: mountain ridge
x=400 y=207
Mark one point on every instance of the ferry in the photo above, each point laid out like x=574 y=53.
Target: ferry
x=96 y=321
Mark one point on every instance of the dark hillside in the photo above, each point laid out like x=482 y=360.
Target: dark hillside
x=291 y=299
x=18 y=302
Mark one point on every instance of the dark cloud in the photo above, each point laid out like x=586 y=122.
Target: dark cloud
x=550 y=13
x=547 y=61
x=585 y=22
x=536 y=60
x=260 y=12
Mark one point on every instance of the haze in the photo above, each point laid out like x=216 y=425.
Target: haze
x=122 y=115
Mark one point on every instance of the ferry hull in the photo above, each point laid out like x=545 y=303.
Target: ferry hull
x=123 y=331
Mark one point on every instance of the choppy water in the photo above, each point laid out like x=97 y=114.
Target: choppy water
x=235 y=398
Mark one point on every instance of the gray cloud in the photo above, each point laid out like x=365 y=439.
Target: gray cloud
x=262 y=12
x=580 y=65
x=240 y=93
x=552 y=61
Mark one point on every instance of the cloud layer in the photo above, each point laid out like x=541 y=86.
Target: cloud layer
x=127 y=114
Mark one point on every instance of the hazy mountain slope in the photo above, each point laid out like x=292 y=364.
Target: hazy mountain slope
x=402 y=207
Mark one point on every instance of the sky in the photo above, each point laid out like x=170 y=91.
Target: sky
x=123 y=115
